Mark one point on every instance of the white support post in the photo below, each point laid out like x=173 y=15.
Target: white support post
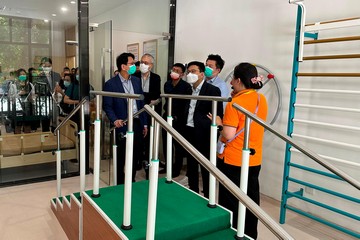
x=58 y=172
x=128 y=168
x=82 y=160
x=213 y=140
x=244 y=178
x=154 y=171
x=169 y=152
x=114 y=151
x=97 y=132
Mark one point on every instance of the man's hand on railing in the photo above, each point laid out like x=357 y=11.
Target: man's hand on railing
x=119 y=123
x=145 y=131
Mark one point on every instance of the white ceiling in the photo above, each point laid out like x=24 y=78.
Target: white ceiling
x=43 y=9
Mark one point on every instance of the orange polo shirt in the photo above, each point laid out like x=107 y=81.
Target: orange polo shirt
x=233 y=151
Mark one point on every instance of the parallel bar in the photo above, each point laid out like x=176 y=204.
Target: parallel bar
x=326 y=141
x=328 y=74
x=325 y=190
x=332 y=21
x=323 y=221
x=273 y=226
x=327 y=108
x=328 y=207
x=191 y=97
x=333 y=25
x=300 y=147
x=328 y=40
x=327 y=124
x=118 y=95
x=327 y=91
x=341 y=56
x=313 y=170
x=339 y=160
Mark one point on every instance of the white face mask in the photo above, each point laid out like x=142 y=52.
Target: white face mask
x=174 y=75
x=47 y=69
x=144 y=68
x=191 y=78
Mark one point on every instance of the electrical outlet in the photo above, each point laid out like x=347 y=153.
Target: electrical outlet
x=309 y=190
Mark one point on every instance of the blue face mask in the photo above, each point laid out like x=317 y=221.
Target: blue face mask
x=77 y=77
x=67 y=84
x=208 y=71
x=22 y=77
x=132 y=69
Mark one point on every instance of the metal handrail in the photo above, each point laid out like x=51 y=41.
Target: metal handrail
x=118 y=95
x=301 y=148
x=192 y=97
x=156 y=102
x=72 y=113
x=273 y=226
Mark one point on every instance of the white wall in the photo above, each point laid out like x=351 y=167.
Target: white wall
x=262 y=32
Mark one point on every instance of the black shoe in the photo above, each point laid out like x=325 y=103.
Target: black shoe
x=162 y=171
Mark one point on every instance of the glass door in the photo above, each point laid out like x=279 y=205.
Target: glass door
x=101 y=58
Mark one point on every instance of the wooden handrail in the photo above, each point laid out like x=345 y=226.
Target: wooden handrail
x=342 y=56
x=333 y=21
x=328 y=74
x=327 y=40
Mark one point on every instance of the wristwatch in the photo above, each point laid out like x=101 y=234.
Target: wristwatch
x=220 y=128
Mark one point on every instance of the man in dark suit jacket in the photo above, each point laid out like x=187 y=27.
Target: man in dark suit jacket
x=198 y=124
x=151 y=84
x=117 y=111
x=51 y=79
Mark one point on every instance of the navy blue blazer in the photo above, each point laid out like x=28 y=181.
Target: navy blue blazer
x=116 y=108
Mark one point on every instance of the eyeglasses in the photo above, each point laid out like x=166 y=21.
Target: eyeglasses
x=146 y=63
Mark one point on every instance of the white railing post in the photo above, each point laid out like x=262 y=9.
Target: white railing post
x=154 y=171
x=213 y=140
x=82 y=150
x=169 y=152
x=128 y=168
x=114 y=150
x=58 y=166
x=244 y=177
x=97 y=133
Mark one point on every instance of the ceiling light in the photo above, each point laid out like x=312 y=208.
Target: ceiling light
x=54 y=15
x=64 y=9
x=46 y=20
x=72 y=2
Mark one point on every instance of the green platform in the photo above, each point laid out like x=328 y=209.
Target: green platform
x=181 y=214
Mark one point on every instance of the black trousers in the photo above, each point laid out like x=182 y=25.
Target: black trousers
x=228 y=200
x=193 y=165
x=121 y=150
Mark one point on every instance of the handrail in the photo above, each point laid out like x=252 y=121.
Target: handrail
x=192 y=97
x=273 y=226
x=118 y=95
x=301 y=148
x=156 y=102
x=77 y=107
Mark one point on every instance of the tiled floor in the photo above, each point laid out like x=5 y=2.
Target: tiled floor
x=25 y=214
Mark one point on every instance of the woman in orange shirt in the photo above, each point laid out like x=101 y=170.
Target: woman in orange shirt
x=244 y=83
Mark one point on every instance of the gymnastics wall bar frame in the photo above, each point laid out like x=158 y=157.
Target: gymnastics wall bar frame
x=311 y=31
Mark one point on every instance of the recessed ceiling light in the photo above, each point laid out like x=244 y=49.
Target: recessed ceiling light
x=64 y=9
x=46 y=20
x=72 y=2
x=54 y=15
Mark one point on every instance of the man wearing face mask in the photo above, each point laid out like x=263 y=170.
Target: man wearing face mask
x=214 y=65
x=175 y=85
x=51 y=79
x=198 y=124
x=151 y=84
x=116 y=110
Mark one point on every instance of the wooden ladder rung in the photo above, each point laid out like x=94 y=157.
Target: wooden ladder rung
x=327 y=40
x=332 y=21
x=328 y=74
x=343 y=56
